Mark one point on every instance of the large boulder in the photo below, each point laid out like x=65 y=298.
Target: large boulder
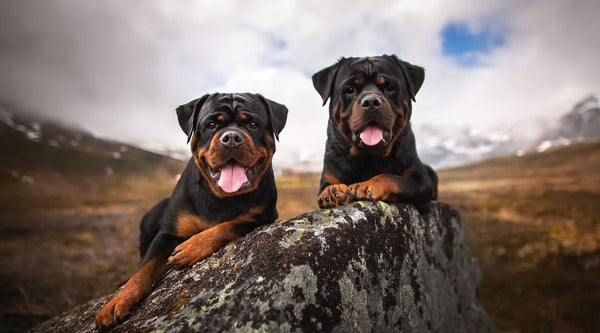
x=366 y=266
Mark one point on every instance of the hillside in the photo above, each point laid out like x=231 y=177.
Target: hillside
x=52 y=164
x=575 y=167
x=447 y=146
x=71 y=204
x=534 y=226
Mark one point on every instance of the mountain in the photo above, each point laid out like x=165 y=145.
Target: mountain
x=446 y=147
x=440 y=146
x=582 y=123
x=29 y=142
x=45 y=163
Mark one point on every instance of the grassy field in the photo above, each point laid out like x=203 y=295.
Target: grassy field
x=533 y=224
x=296 y=195
x=64 y=244
x=70 y=206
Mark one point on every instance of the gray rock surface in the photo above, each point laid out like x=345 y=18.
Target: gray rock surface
x=367 y=266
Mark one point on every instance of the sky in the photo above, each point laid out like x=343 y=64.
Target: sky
x=120 y=68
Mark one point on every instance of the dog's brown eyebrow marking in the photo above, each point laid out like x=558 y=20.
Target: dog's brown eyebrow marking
x=243 y=116
x=381 y=80
x=221 y=117
x=358 y=82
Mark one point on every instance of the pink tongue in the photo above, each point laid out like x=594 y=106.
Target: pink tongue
x=371 y=135
x=232 y=177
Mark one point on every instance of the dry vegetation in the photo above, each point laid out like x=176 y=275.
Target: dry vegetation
x=297 y=195
x=533 y=224
x=65 y=240
x=61 y=249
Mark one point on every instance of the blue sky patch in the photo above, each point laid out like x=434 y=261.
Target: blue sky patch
x=466 y=47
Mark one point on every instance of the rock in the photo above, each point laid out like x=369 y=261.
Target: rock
x=367 y=266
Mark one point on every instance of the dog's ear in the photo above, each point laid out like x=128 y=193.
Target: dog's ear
x=413 y=75
x=323 y=80
x=187 y=114
x=277 y=113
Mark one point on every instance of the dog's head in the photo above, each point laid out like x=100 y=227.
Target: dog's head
x=232 y=138
x=370 y=100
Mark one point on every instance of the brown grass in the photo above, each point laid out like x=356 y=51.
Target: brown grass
x=58 y=258
x=65 y=240
x=63 y=245
x=533 y=224
x=296 y=195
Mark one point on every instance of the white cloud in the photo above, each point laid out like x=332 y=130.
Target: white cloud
x=121 y=68
x=307 y=119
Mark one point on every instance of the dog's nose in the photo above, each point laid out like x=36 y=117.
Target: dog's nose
x=370 y=103
x=231 y=139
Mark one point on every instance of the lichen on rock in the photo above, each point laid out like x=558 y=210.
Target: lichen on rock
x=366 y=266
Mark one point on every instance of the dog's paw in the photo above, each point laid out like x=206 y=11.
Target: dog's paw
x=365 y=191
x=333 y=196
x=189 y=252
x=116 y=310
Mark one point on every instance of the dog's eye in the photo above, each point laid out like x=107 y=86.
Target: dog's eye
x=252 y=125
x=212 y=125
x=349 y=90
x=389 y=87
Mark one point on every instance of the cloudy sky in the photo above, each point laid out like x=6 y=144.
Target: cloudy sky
x=119 y=68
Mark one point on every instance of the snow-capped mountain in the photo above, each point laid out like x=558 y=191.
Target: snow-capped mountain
x=31 y=128
x=581 y=124
x=451 y=146
x=439 y=146
x=445 y=147
x=57 y=135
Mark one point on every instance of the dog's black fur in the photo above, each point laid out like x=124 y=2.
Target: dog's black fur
x=235 y=131
x=376 y=93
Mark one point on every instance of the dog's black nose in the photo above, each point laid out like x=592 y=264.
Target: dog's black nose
x=231 y=139
x=371 y=103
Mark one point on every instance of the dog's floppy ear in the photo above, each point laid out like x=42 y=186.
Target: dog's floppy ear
x=323 y=80
x=413 y=75
x=187 y=114
x=277 y=113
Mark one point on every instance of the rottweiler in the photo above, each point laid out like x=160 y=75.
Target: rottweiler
x=370 y=152
x=226 y=190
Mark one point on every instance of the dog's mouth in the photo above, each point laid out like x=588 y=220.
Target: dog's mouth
x=372 y=136
x=233 y=176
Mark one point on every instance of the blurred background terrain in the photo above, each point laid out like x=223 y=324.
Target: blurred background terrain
x=508 y=115
x=71 y=204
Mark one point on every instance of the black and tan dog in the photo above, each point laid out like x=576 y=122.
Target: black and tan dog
x=226 y=190
x=370 y=152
